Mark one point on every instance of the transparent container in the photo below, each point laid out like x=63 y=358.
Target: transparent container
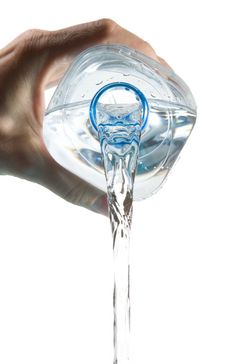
x=111 y=83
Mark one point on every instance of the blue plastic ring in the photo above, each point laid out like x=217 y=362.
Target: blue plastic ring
x=128 y=87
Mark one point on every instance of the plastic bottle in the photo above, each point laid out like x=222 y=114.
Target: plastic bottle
x=112 y=83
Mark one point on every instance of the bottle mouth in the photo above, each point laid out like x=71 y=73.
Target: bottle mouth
x=119 y=103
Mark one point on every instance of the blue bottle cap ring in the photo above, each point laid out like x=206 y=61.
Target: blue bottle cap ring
x=119 y=85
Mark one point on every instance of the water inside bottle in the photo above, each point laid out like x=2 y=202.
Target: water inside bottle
x=72 y=141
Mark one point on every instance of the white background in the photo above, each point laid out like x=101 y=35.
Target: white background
x=56 y=258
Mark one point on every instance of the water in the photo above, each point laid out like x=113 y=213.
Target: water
x=72 y=141
x=120 y=161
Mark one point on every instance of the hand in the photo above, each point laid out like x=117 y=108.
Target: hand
x=34 y=61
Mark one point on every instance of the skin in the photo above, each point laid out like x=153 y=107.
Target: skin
x=31 y=63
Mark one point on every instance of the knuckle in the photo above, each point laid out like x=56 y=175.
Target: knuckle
x=107 y=25
x=147 y=47
x=32 y=40
x=30 y=33
x=149 y=51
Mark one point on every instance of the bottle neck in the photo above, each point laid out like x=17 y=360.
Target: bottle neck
x=119 y=109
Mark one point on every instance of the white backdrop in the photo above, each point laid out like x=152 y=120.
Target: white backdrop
x=56 y=258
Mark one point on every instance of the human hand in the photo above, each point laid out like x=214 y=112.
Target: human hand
x=33 y=62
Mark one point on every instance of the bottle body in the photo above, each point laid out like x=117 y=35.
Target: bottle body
x=72 y=139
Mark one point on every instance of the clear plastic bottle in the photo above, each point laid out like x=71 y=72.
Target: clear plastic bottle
x=112 y=82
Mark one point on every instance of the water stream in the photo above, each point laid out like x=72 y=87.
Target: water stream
x=120 y=147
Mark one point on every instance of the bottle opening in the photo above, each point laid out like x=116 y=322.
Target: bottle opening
x=119 y=104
